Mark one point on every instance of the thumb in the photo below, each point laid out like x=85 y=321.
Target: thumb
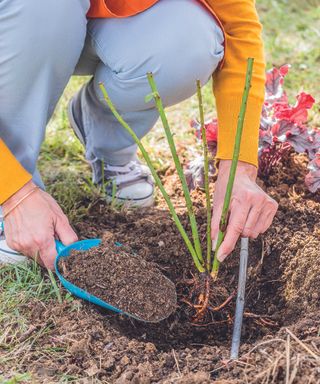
x=64 y=231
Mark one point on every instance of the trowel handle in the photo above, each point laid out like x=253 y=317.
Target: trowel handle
x=59 y=246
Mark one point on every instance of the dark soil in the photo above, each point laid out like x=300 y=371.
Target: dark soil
x=122 y=279
x=275 y=293
x=280 y=340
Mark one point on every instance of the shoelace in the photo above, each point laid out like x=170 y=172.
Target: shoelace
x=130 y=172
x=125 y=174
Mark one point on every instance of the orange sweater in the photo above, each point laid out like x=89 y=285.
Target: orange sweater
x=242 y=30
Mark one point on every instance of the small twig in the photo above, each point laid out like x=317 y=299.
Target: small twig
x=261 y=319
x=295 y=370
x=211 y=323
x=176 y=361
x=261 y=344
x=303 y=345
x=100 y=286
x=236 y=337
x=28 y=333
x=288 y=359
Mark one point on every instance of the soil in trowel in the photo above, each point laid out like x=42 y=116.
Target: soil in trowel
x=122 y=279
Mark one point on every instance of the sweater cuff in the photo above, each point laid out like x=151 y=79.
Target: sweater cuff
x=12 y=175
x=228 y=109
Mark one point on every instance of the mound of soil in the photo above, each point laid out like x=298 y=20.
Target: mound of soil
x=122 y=279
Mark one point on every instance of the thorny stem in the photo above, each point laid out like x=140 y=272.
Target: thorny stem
x=192 y=217
x=233 y=168
x=156 y=178
x=206 y=173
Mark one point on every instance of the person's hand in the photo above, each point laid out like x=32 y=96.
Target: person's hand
x=251 y=210
x=31 y=227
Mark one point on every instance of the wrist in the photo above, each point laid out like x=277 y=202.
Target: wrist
x=9 y=203
x=243 y=168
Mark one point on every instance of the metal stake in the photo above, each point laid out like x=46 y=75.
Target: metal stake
x=236 y=337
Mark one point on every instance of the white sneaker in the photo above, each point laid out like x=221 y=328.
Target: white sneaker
x=131 y=184
x=8 y=256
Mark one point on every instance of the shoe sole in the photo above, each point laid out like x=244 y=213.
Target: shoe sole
x=141 y=203
x=10 y=257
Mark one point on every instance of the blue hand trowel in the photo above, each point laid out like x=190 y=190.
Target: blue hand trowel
x=64 y=251
x=83 y=245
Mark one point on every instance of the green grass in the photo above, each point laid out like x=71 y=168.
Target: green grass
x=15 y=379
x=291 y=35
x=21 y=285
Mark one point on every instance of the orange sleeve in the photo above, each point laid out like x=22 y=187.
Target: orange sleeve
x=12 y=175
x=118 y=8
x=242 y=40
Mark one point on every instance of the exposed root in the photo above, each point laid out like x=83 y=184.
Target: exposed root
x=221 y=306
x=184 y=300
x=199 y=299
x=211 y=323
x=203 y=299
x=261 y=320
x=204 y=304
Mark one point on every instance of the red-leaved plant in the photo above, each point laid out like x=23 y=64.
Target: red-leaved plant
x=282 y=127
x=313 y=177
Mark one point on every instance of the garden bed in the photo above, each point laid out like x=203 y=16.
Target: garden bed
x=283 y=301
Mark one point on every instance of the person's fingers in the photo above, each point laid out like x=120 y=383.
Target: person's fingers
x=64 y=230
x=27 y=244
x=238 y=217
x=260 y=217
x=267 y=217
x=31 y=228
x=40 y=246
x=251 y=228
x=48 y=252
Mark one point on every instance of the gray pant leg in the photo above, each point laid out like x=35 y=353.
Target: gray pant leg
x=40 y=44
x=177 y=40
